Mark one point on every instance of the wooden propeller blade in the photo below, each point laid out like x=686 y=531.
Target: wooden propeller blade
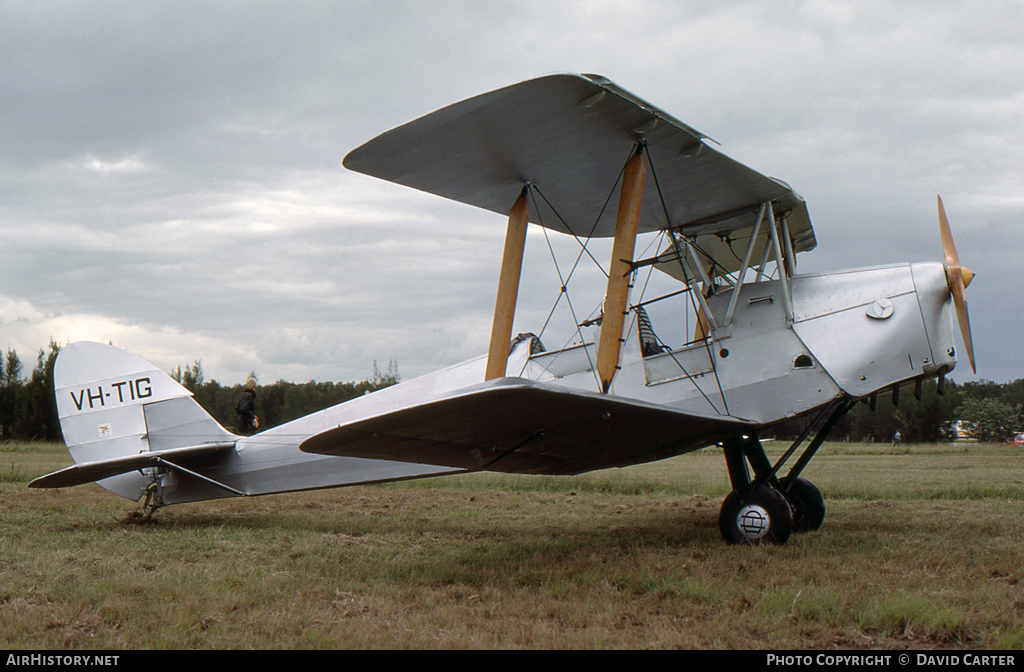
x=957 y=278
x=948 y=247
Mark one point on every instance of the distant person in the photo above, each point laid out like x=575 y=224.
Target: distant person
x=896 y=438
x=247 y=422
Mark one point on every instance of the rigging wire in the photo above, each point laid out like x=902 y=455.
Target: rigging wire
x=583 y=245
x=650 y=271
x=564 y=289
x=707 y=341
x=564 y=280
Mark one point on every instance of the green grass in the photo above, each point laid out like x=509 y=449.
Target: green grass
x=920 y=549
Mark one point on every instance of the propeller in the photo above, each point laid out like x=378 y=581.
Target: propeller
x=958 y=278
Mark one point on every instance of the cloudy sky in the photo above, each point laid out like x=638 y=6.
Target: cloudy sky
x=171 y=178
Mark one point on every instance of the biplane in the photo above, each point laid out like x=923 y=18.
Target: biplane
x=577 y=155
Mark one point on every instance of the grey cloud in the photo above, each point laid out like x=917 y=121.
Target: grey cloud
x=170 y=173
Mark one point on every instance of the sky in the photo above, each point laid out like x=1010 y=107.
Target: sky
x=171 y=175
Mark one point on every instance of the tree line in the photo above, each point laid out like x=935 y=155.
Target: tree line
x=280 y=402
x=992 y=411
x=28 y=408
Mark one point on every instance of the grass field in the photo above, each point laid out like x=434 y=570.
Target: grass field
x=921 y=548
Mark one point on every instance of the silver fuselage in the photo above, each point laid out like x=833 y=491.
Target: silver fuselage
x=851 y=333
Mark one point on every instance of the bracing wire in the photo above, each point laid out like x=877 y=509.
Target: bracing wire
x=564 y=280
x=707 y=344
x=564 y=290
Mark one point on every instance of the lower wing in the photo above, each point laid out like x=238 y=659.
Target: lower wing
x=518 y=426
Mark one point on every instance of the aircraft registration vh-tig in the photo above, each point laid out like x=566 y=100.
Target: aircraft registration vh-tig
x=578 y=155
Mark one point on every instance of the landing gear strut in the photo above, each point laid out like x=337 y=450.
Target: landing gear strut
x=154 y=496
x=767 y=509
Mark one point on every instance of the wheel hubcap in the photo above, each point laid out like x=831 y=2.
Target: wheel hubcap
x=753 y=522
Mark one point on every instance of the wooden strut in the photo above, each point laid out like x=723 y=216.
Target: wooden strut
x=508 y=287
x=626 y=223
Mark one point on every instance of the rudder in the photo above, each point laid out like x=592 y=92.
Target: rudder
x=112 y=404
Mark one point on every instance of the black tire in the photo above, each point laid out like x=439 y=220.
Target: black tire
x=755 y=516
x=808 y=505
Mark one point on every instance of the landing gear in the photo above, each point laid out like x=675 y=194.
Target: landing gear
x=807 y=504
x=765 y=509
x=755 y=512
x=154 y=496
x=756 y=515
x=153 y=501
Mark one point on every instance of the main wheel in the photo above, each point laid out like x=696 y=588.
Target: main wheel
x=754 y=516
x=808 y=505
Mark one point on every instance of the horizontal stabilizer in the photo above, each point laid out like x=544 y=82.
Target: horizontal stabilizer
x=88 y=472
x=518 y=426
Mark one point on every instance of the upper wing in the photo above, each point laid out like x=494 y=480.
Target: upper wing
x=519 y=426
x=569 y=135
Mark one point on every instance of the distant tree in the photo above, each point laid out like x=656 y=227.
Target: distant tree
x=922 y=421
x=982 y=389
x=12 y=372
x=10 y=378
x=917 y=421
x=191 y=377
x=12 y=398
x=990 y=420
x=282 y=401
x=379 y=380
x=2 y=398
x=297 y=401
x=1013 y=395
x=41 y=421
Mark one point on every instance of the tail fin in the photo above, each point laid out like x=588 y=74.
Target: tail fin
x=114 y=408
